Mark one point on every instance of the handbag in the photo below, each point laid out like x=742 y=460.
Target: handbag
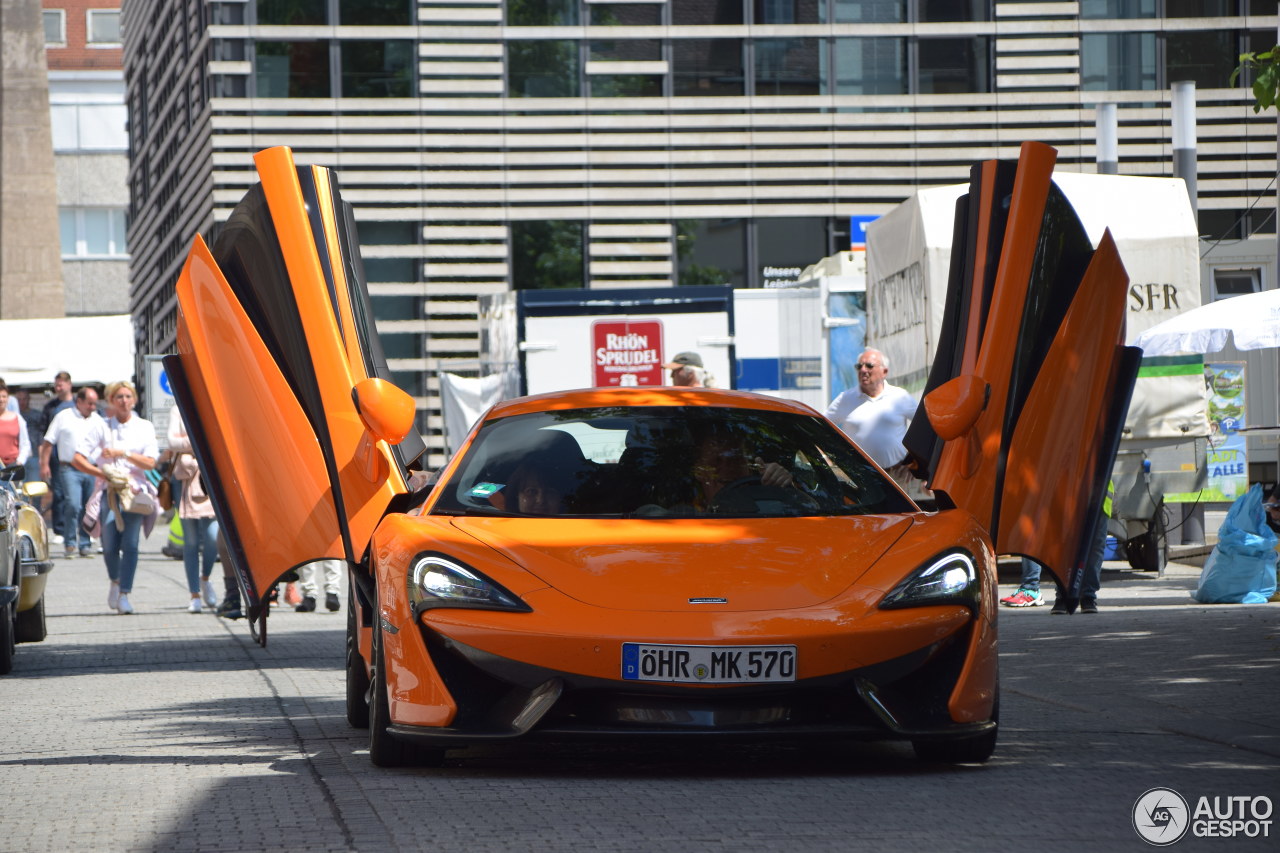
x=164 y=494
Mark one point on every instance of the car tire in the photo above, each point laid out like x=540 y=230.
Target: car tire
x=7 y=630
x=357 y=671
x=30 y=625
x=385 y=750
x=969 y=750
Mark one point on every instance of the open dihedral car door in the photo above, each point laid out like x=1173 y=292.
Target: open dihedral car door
x=1031 y=381
x=277 y=360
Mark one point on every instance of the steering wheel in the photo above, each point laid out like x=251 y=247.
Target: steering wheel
x=749 y=480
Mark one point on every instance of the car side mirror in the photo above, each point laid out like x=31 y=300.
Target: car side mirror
x=387 y=411
x=953 y=407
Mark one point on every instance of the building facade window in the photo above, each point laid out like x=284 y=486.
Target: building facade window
x=55 y=27
x=89 y=127
x=376 y=13
x=292 y=69
x=227 y=14
x=624 y=14
x=914 y=11
x=794 y=66
x=1119 y=9
x=377 y=69
x=870 y=11
x=102 y=27
x=1146 y=61
x=943 y=11
x=547 y=254
x=784 y=247
x=1206 y=57
x=1118 y=61
x=950 y=65
x=789 y=11
x=1236 y=282
x=545 y=68
x=92 y=233
x=293 y=12
x=708 y=13
x=542 y=13
x=711 y=251
x=707 y=67
x=871 y=66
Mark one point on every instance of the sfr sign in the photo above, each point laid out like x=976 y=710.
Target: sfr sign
x=627 y=352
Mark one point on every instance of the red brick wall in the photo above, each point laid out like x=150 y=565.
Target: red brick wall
x=77 y=55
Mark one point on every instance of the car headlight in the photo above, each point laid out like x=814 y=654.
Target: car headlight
x=437 y=581
x=949 y=579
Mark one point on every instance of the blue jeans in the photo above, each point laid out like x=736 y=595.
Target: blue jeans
x=120 y=547
x=199 y=535
x=76 y=487
x=1091 y=581
x=1030 y=575
x=1090 y=575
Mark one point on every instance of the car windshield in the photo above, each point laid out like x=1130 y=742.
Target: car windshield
x=666 y=461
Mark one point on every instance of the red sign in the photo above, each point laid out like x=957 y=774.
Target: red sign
x=626 y=352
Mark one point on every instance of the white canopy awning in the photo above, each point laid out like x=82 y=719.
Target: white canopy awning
x=91 y=349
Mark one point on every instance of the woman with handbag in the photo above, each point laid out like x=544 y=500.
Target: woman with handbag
x=119 y=451
x=199 y=527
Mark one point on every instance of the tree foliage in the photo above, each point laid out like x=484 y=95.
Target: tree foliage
x=1265 y=68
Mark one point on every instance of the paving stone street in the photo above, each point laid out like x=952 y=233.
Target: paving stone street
x=168 y=731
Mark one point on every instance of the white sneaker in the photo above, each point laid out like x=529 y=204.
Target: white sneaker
x=113 y=597
x=210 y=597
x=55 y=538
x=123 y=605
x=194 y=606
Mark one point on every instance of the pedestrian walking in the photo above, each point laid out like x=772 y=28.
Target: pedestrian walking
x=119 y=452
x=199 y=524
x=876 y=414
x=62 y=400
x=332 y=572
x=15 y=444
x=59 y=448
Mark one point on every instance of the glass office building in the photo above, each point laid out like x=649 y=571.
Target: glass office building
x=598 y=144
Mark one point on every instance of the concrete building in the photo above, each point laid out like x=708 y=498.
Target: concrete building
x=30 y=272
x=90 y=145
x=594 y=143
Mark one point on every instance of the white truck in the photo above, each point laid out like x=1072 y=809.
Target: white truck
x=908 y=260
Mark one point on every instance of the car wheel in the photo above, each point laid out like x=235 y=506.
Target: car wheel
x=357 y=672
x=30 y=624
x=969 y=750
x=385 y=750
x=7 y=638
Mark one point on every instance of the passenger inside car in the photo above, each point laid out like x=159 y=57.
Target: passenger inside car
x=535 y=491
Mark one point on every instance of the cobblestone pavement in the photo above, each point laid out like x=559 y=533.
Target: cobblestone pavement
x=167 y=731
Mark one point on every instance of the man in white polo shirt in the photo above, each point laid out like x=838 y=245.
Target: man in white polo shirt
x=875 y=414
x=62 y=437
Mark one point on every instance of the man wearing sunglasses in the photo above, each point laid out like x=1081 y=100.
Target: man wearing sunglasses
x=875 y=414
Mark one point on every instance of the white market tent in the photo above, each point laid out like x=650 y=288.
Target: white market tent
x=91 y=349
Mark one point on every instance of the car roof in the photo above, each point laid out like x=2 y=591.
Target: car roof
x=654 y=395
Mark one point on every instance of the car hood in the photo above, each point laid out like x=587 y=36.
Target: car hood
x=667 y=564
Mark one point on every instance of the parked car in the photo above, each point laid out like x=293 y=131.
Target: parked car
x=636 y=562
x=24 y=547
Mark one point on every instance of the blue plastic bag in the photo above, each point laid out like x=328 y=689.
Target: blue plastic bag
x=1241 y=569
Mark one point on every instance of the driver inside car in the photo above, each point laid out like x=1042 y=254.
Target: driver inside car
x=721 y=459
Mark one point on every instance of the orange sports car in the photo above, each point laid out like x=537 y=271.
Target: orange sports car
x=638 y=562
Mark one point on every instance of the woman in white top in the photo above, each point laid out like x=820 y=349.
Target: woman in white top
x=119 y=451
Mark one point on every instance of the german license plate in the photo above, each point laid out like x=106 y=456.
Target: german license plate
x=708 y=664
